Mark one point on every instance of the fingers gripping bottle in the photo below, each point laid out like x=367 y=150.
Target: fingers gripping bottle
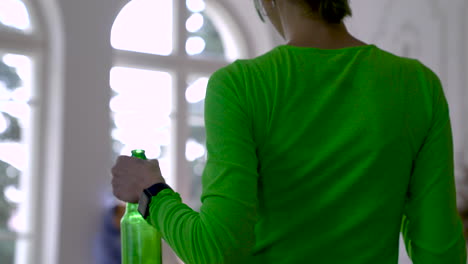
x=141 y=243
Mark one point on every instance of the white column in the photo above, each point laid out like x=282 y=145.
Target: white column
x=85 y=146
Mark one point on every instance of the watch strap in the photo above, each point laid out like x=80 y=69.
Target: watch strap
x=154 y=189
x=147 y=195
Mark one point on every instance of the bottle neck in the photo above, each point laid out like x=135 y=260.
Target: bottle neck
x=131 y=207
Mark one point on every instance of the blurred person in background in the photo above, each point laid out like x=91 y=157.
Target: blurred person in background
x=322 y=150
x=107 y=249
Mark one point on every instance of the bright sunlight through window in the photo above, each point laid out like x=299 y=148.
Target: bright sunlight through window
x=195 y=45
x=13 y=13
x=197 y=91
x=14 y=153
x=194 y=23
x=196 y=5
x=141 y=108
x=194 y=150
x=144 y=26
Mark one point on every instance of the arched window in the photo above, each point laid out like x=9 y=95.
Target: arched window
x=165 y=51
x=20 y=49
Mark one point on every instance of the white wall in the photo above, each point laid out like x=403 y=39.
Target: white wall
x=84 y=144
x=425 y=29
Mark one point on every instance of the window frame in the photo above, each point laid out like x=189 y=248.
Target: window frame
x=33 y=45
x=181 y=66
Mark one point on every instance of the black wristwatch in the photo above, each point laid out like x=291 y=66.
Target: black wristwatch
x=147 y=194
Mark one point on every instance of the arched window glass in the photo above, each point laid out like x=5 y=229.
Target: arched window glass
x=195 y=150
x=14 y=15
x=159 y=90
x=141 y=108
x=19 y=103
x=15 y=121
x=204 y=39
x=144 y=26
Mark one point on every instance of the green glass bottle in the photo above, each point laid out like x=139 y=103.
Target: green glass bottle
x=141 y=243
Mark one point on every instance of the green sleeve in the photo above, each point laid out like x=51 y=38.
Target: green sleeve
x=431 y=226
x=223 y=231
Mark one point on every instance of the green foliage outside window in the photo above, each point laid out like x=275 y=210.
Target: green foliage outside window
x=9 y=175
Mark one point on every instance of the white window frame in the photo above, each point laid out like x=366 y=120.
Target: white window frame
x=44 y=45
x=181 y=66
x=31 y=45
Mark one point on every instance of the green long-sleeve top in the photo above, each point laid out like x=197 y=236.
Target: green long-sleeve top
x=321 y=156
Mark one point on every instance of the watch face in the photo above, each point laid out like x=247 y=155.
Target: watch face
x=143 y=205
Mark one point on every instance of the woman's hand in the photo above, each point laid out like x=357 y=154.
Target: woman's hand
x=130 y=176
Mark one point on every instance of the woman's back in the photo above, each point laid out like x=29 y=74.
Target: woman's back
x=316 y=155
x=319 y=156
x=338 y=133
